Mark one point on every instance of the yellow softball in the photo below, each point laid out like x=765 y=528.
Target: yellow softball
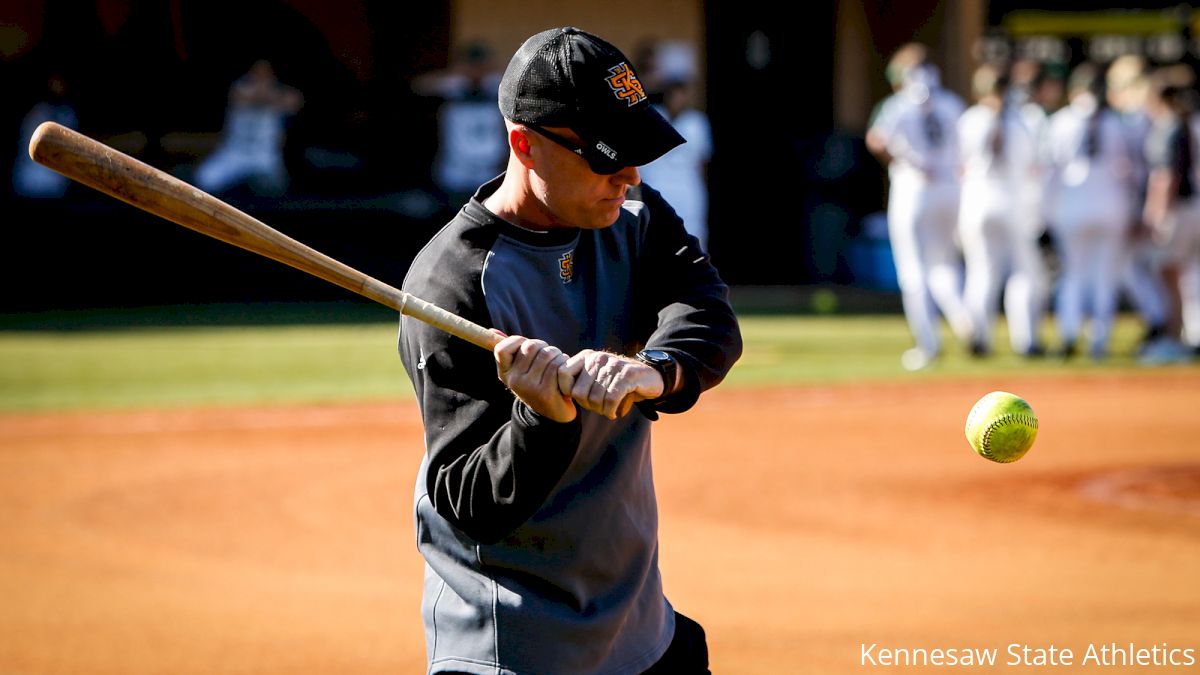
x=1001 y=427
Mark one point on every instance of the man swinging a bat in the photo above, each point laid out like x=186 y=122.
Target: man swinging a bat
x=535 y=505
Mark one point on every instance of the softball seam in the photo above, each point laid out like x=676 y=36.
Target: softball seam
x=1004 y=420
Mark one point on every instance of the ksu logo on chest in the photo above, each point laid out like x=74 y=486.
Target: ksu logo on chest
x=566 y=267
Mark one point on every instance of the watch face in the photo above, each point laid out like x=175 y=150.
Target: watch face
x=664 y=363
x=656 y=356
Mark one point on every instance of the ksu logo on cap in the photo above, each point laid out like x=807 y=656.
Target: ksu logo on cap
x=625 y=84
x=608 y=152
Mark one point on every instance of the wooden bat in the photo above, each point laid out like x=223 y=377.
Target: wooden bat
x=116 y=174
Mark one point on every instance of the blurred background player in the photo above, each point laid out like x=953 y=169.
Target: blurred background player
x=680 y=175
x=29 y=178
x=471 y=139
x=1172 y=210
x=251 y=150
x=1037 y=90
x=999 y=221
x=1089 y=205
x=914 y=134
x=1127 y=88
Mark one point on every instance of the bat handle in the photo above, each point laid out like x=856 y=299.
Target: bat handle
x=427 y=312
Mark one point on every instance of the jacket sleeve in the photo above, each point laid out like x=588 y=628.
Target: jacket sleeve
x=492 y=461
x=682 y=304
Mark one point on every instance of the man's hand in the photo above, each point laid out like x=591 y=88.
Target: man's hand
x=531 y=369
x=608 y=384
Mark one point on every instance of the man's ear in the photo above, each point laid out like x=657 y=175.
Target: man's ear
x=521 y=147
x=518 y=140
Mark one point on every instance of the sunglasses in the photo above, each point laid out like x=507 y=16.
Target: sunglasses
x=596 y=160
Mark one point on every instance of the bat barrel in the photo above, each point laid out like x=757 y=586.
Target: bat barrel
x=118 y=175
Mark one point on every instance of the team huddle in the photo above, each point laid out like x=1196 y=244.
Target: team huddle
x=1109 y=178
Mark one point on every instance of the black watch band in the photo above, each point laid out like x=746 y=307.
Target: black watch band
x=665 y=364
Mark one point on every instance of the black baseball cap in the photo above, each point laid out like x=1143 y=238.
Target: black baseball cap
x=565 y=77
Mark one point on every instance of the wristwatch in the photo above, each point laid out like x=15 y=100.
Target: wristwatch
x=666 y=366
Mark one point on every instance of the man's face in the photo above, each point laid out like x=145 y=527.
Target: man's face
x=571 y=194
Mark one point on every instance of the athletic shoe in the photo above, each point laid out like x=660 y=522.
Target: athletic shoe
x=1153 y=334
x=1066 y=352
x=1034 y=352
x=1164 y=351
x=978 y=349
x=916 y=359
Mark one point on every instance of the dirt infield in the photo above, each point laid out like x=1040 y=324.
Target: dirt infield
x=809 y=530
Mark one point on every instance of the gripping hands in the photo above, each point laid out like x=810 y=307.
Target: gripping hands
x=551 y=383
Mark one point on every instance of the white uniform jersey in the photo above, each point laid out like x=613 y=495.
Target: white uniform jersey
x=1085 y=184
x=1013 y=178
x=918 y=127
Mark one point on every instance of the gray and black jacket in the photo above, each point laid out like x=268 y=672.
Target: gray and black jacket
x=541 y=538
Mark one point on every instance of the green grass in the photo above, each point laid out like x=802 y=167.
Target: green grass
x=58 y=364
x=816 y=349
x=190 y=366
